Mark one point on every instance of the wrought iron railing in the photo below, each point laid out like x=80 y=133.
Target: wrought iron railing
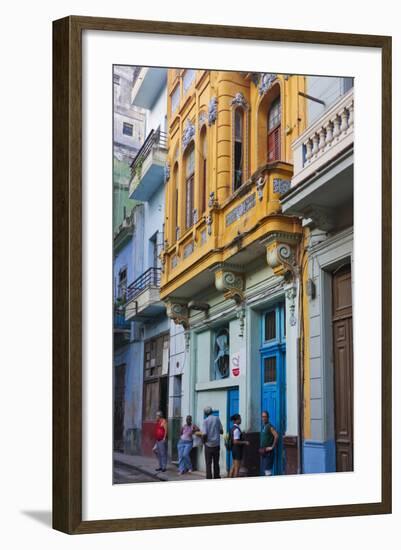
x=156 y=139
x=150 y=278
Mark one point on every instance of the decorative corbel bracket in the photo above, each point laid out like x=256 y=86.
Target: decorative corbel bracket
x=231 y=283
x=179 y=313
x=281 y=253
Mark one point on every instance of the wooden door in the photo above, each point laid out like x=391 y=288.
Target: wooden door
x=343 y=368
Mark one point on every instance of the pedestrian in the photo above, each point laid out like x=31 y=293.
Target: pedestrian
x=268 y=444
x=185 y=444
x=237 y=444
x=211 y=432
x=161 y=441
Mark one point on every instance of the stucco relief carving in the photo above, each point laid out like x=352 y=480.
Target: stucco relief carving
x=266 y=81
x=178 y=312
x=291 y=294
x=232 y=284
x=281 y=254
x=212 y=111
x=260 y=184
x=188 y=133
x=239 y=100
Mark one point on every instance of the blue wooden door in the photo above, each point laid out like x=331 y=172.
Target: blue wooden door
x=272 y=362
x=232 y=408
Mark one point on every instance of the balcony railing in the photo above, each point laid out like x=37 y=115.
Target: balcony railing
x=327 y=137
x=150 y=278
x=156 y=139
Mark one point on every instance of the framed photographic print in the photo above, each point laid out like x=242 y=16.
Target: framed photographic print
x=222 y=275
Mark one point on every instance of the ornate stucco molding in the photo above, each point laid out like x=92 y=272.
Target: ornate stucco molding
x=188 y=133
x=231 y=283
x=266 y=81
x=240 y=101
x=291 y=294
x=281 y=250
x=260 y=184
x=212 y=203
x=212 y=111
x=178 y=312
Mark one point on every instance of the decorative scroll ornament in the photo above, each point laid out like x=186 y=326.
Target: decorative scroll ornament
x=281 y=258
x=260 y=183
x=239 y=100
x=212 y=111
x=232 y=284
x=281 y=186
x=266 y=81
x=166 y=172
x=209 y=222
x=188 y=134
x=291 y=294
x=178 y=312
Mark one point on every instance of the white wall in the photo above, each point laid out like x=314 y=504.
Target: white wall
x=26 y=457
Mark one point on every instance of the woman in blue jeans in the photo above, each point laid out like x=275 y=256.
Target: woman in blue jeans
x=184 y=446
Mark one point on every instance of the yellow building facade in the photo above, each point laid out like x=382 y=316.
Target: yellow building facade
x=230 y=261
x=202 y=225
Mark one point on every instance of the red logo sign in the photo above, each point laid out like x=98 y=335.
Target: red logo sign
x=235 y=364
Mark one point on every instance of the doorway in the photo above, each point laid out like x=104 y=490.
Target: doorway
x=119 y=407
x=343 y=367
x=232 y=408
x=272 y=364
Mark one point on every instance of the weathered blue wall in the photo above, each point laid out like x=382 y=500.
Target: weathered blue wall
x=319 y=457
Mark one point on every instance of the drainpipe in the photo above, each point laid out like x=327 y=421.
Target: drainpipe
x=301 y=374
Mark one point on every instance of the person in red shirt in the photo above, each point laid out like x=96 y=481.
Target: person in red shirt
x=161 y=441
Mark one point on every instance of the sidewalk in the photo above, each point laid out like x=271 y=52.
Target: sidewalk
x=147 y=465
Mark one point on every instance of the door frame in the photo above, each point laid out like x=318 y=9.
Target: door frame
x=275 y=348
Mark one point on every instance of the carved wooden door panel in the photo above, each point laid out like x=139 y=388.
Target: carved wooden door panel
x=343 y=368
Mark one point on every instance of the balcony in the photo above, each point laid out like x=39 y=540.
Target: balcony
x=121 y=327
x=147 y=168
x=148 y=86
x=322 y=185
x=232 y=232
x=123 y=233
x=143 y=297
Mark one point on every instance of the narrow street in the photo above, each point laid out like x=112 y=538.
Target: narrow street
x=122 y=473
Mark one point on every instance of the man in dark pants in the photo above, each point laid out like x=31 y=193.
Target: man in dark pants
x=211 y=432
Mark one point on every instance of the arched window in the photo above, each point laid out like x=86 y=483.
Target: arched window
x=174 y=202
x=274 y=131
x=238 y=148
x=203 y=173
x=189 y=186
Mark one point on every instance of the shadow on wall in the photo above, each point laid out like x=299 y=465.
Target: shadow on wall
x=41 y=516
